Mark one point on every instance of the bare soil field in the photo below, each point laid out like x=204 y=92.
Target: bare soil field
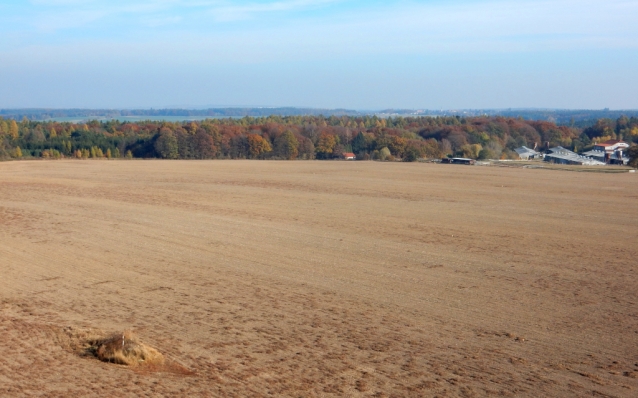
x=309 y=279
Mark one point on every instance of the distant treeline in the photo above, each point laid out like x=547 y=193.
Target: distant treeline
x=571 y=118
x=303 y=137
x=44 y=114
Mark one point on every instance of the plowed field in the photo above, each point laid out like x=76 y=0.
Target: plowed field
x=316 y=278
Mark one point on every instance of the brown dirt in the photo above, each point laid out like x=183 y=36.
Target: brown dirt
x=319 y=279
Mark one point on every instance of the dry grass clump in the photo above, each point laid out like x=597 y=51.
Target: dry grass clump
x=126 y=349
x=121 y=348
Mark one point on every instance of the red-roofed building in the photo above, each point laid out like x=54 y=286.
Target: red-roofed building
x=349 y=156
x=612 y=151
x=612 y=145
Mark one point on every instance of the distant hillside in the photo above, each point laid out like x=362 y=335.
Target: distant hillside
x=565 y=117
x=573 y=118
x=46 y=114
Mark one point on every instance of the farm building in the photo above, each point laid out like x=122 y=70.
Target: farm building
x=526 y=153
x=458 y=161
x=612 y=152
x=561 y=155
x=349 y=156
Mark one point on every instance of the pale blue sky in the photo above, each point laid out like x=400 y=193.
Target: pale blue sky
x=319 y=53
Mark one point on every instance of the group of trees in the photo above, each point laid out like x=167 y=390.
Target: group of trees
x=302 y=137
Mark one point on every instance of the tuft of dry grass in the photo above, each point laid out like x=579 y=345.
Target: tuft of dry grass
x=119 y=348
x=126 y=349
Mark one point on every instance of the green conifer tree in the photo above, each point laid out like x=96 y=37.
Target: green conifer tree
x=359 y=143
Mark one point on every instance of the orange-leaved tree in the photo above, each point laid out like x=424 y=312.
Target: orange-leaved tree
x=325 y=145
x=257 y=146
x=13 y=129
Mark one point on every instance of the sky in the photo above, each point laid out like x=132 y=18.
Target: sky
x=365 y=55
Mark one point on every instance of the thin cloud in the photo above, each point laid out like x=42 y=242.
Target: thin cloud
x=68 y=20
x=409 y=29
x=58 y=15
x=229 y=13
x=161 y=21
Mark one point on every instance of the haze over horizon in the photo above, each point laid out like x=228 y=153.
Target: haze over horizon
x=472 y=54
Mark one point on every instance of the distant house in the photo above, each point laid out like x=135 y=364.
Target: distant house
x=458 y=161
x=526 y=153
x=611 y=152
x=561 y=155
x=462 y=161
x=349 y=156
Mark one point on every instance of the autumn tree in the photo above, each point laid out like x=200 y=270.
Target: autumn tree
x=416 y=149
x=471 y=151
x=257 y=146
x=486 y=153
x=384 y=153
x=397 y=145
x=13 y=129
x=204 y=146
x=286 y=145
x=411 y=154
x=239 y=148
x=325 y=145
x=34 y=136
x=4 y=127
x=306 y=149
x=166 y=144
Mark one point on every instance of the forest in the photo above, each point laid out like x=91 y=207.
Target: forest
x=303 y=137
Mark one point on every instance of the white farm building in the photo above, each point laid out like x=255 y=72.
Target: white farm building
x=612 y=152
x=561 y=155
x=526 y=153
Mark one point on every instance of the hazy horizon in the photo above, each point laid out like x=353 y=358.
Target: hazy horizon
x=359 y=55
